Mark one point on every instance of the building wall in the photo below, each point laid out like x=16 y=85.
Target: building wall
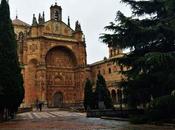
x=110 y=71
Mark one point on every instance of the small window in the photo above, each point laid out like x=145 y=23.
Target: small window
x=109 y=70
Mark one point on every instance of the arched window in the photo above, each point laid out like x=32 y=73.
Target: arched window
x=57 y=15
x=111 y=53
x=109 y=70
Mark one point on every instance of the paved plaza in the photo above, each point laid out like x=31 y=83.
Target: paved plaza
x=64 y=120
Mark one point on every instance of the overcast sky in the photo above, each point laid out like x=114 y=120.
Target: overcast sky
x=93 y=15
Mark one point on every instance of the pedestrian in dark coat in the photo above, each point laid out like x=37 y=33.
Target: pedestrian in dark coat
x=40 y=106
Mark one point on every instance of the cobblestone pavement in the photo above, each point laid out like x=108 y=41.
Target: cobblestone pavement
x=64 y=120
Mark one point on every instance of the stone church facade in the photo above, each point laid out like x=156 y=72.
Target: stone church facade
x=53 y=60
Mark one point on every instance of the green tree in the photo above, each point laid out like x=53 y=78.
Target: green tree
x=150 y=34
x=88 y=95
x=102 y=93
x=11 y=81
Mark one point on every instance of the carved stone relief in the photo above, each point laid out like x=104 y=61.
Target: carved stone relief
x=59 y=78
x=59 y=58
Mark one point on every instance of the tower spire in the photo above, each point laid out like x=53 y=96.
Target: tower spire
x=77 y=26
x=34 y=22
x=68 y=21
x=39 y=18
x=16 y=14
x=43 y=17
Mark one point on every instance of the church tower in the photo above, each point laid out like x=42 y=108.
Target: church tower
x=114 y=51
x=56 y=12
x=54 y=60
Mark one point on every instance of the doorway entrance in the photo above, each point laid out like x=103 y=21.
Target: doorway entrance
x=58 y=99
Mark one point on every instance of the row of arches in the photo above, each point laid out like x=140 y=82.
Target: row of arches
x=116 y=96
x=58 y=98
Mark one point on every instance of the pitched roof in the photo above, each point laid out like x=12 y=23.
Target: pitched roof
x=106 y=60
x=19 y=22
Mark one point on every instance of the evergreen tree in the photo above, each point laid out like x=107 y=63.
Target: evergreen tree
x=102 y=93
x=11 y=81
x=150 y=34
x=88 y=95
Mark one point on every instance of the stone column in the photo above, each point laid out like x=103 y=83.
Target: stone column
x=42 y=82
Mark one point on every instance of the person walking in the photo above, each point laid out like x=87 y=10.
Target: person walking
x=40 y=106
x=37 y=104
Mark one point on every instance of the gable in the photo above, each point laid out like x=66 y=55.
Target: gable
x=57 y=28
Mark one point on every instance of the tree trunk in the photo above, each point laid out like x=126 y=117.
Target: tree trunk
x=1 y=115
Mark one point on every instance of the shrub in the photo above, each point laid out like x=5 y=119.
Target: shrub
x=162 y=108
x=139 y=119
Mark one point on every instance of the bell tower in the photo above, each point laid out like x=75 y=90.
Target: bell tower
x=114 y=51
x=56 y=12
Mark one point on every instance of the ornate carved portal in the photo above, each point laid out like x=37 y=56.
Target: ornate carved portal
x=60 y=65
x=60 y=57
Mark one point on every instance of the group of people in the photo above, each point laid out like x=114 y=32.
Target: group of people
x=39 y=105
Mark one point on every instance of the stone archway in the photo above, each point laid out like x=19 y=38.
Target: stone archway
x=58 y=99
x=60 y=56
x=60 y=65
x=60 y=74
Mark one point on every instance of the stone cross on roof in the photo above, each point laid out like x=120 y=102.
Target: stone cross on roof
x=56 y=1
x=16 y=14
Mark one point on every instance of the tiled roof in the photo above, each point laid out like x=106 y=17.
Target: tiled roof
x=106 y=60
x=19 y=23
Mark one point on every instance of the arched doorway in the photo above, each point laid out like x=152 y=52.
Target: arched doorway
x=60 y=65
x=58 y=99
x=114 y=96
